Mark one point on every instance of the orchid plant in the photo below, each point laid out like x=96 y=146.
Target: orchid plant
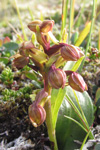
x=48 y=61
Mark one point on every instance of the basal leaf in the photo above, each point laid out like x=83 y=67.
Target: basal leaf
x=68 y=131
x=56 y=100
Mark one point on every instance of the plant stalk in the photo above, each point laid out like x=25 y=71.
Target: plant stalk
x=71 y=2
x=49 y=119
x=51 y=131
x=64 y=14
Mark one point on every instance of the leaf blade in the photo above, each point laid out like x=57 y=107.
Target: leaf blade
x=83 y=34
x=55 y=103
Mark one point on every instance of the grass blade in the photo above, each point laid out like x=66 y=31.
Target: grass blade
x=77 y=64
x=76 y=122
x=31 y=14
x=99 y=42
x=83 y=34
x=64 y=14
x=21 y=23
x=72 y=13
x=85 y=140
x=89 y=38
x=70 y=21
x=76 y=110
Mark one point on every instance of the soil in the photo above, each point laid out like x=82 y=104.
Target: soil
x=16 y=130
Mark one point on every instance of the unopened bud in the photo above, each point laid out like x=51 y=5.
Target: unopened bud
x=37 y=114
x=41 y=95
x=56 y=77
x=20 y=61
x=24 y=47
x=77 y=82
x=32 y=25
x=71 y=53
x=46 y=26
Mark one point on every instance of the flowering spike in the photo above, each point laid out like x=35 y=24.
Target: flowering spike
x=71 y=53
x=37 y=114
x=77 y=82
x=56 y=77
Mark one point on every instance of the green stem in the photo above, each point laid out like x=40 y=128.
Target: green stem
x=80 y=14
x=49 y=117
x=51 y=131
x=31 y=14
x=71 y=2
x=89 y=38
x=64 y=14
x=21 y=23
x=72 y=13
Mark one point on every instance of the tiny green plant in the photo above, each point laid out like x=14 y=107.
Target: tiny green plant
x=10 y=94
x=49 y=60
x=7 y=76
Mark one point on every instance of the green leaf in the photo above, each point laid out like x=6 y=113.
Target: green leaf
x=4 y=60
x=76 y=122
x=97 y=147
x=69 y=65
x=83 y=34
x=74 y=37
x=11 y=46
x=66 y=130
x=85 y=140
x=53 y=38
x=77 y=64
x=31 y=75
x=73 y=65
x=56 y=100
x=97 y=97
x=36 y=84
